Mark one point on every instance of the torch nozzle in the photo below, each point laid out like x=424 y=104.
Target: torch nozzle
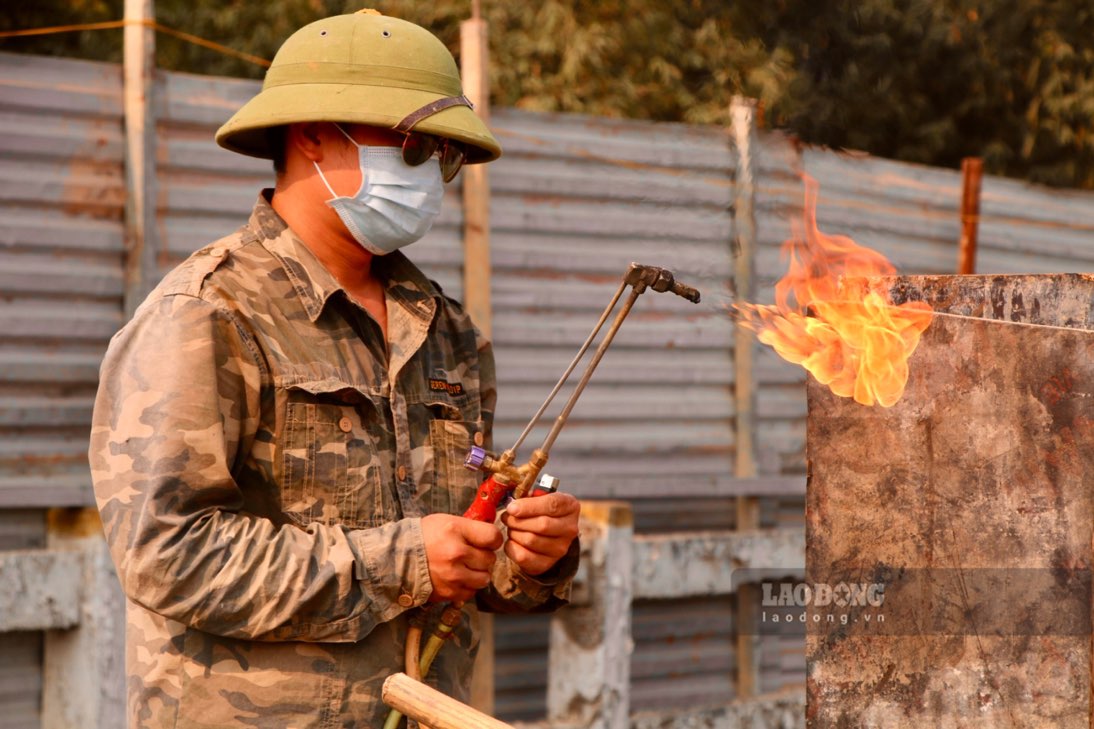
x=686 y=291
x=659 y=279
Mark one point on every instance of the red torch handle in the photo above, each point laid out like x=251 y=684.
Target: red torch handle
x=487 y=500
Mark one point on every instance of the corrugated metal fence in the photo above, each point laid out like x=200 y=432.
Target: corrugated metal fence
x=575 y=199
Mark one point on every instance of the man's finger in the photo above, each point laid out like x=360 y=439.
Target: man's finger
x=544 y=525
x=479 y=560
x=480 y=534
x=532 y=563
x=546 y=546
x=553 y=505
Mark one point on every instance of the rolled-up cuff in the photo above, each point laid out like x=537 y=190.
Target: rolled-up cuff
x=391 y=566
x=513 y=590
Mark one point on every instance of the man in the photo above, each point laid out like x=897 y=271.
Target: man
x=279 y=432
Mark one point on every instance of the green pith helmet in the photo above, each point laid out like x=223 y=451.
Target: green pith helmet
x=363 y=68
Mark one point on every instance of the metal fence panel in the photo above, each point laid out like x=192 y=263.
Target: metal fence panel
x=574 y=200
x=62 y=197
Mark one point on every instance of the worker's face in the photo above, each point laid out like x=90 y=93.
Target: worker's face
x=417 y=148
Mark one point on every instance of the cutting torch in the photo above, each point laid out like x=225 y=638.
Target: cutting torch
x=507 y=479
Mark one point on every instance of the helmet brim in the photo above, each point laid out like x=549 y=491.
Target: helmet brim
x=379 y=106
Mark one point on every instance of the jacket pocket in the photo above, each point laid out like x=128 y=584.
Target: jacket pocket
x=454 y=486
x=331 y=469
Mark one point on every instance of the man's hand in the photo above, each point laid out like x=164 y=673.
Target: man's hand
x=460 y=553
x=541 y=529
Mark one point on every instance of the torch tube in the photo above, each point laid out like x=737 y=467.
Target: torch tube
x=560 y=421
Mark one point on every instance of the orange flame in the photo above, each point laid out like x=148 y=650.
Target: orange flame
x=827 y=319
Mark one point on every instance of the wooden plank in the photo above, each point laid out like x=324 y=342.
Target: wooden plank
x=41 y=589
x=589 y=670
x=85 y=669
x=675 y=565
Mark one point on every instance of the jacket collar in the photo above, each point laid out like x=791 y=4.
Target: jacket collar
x=315 y=285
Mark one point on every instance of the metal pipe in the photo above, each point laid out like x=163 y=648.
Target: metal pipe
x=565 y=375
x=560 y=421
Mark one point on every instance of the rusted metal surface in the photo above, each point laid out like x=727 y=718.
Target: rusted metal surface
x=970 y=500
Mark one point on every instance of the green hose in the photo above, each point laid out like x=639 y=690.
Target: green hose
x=448 y=623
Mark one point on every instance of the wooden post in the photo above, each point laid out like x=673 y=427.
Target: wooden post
x=141 y=268
x=428 y=705
x=743 y=121
x=588 y=679
x=743 y=118
x=84 y=666
x=972 y=173
x=476 y=281
x=476 y=183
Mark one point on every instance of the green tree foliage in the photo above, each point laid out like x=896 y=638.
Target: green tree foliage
x=928 y=81
x=933 y=81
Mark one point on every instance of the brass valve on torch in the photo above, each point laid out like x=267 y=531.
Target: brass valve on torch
x=507 y=479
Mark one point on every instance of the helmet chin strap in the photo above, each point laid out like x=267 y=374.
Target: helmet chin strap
x=428 y=110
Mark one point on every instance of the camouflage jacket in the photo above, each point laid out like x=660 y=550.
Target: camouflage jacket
x=262 y=463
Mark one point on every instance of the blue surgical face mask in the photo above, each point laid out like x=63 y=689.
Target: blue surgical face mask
x=396 y=203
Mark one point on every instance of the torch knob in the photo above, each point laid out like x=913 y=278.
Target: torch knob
x=547 y=484
x=475 y=458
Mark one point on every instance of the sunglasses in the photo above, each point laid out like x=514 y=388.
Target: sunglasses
x=419 y=147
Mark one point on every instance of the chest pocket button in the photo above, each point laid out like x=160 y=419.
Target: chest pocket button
x=345 y=425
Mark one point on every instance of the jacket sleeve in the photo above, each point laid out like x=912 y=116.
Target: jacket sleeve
x=511 y=589
x=178 y=403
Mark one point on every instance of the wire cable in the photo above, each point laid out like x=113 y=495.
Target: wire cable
x=159 y=27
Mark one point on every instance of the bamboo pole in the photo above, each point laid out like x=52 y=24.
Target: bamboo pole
x=476 y=183
x=972 y=173
x=743 y=120
x=429 y=706
x=476 y=281
x=141 y=270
